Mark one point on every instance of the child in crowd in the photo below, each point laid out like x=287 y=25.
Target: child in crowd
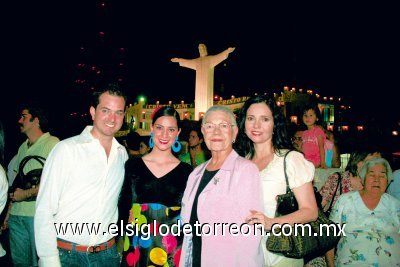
x=332 y=156
x=313 y=137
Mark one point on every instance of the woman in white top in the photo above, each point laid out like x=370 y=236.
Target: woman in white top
x=3 y=181
x=3 y=177
x=263 y=139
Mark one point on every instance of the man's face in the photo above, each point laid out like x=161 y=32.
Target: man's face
x=298 y=140
x=26 y=121
x=108 y=116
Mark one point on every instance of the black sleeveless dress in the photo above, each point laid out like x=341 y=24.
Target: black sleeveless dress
x=146 y=202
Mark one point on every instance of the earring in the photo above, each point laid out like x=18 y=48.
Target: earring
x=151 y=140
x=176 y=146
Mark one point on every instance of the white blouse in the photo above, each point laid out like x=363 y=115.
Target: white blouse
x=299 y=171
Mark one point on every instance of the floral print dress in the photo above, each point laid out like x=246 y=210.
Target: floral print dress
x=153 y=206
x=330 y=186
x=372 y=236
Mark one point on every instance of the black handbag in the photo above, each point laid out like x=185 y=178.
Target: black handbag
x=314 y=238
x=30 y=179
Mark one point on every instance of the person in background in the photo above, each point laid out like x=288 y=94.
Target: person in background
x=313 y=137
x=297 y=140
x=349 y=181
x=332 y=154
x=394 y=187
x=221 y=190
x=20 y=217
x=152 y=191
x=144 y=147
x=372 y=218
x=196 y=155
x=81 y=182
x=3 y=181
x=263 y=138
x=133 y=144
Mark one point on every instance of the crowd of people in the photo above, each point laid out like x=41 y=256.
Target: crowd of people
x=231 y=173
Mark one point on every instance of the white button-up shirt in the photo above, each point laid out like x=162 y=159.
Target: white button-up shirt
x=79 y=185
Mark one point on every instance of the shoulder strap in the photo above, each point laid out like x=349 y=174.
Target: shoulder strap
x=387 y=187
x=339 y=183
x=25 y=160
x=286 y=176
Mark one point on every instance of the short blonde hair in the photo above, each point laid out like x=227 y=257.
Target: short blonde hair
x=224 y=109
x=376 y=161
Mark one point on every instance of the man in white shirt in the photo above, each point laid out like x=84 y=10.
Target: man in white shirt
x=78 y=195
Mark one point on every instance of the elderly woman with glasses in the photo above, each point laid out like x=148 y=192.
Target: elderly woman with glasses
x=218 y=196
x=372 y=219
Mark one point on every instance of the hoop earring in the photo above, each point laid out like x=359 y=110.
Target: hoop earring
x=151 y=140
x=176 y=146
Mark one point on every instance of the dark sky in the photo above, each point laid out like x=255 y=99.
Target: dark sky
x=346 y=50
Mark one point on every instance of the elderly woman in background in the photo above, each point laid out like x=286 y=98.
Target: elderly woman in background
x=349 y=180
x=372 y=220
x=221 y=191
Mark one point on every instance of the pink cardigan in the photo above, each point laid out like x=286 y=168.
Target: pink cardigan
x=228 y=198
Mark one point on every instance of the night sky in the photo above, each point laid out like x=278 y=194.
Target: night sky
x=341 y=50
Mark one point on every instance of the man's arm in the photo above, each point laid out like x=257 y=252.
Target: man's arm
x=21 y=194
x=53 y=179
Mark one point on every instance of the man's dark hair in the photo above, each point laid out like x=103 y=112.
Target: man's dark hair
x=40 y=113
x=112 y=89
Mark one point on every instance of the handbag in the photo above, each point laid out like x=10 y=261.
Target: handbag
x=30 y=179
x=314 y=240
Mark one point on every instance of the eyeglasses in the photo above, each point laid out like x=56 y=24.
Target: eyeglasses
x=209 y=127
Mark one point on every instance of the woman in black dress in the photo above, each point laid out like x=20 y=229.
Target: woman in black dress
x=151 y=196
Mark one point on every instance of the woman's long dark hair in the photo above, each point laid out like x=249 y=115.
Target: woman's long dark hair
x=280 y=138
x=166 y=111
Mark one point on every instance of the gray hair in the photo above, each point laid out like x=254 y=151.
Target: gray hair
x=224 y=109
x=371 y=163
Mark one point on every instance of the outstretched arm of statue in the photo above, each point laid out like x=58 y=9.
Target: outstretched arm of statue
x=215 y=60
x=230 y=50
x=188 y=63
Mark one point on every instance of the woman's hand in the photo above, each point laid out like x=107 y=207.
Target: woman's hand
x=257 y=217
